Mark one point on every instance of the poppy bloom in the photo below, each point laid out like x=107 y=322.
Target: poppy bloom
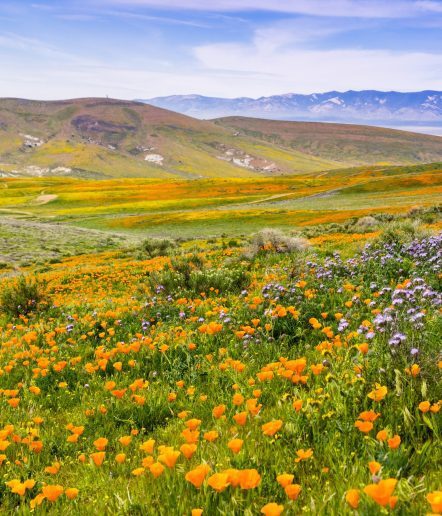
x=169 y=457
x=196 y=476
x=292 y=491
x=379 y=393
x=71 y=493
x=98 y=457
x=297 y=405
x=271 y=427
x=394 y=442
x=218 y=482
x=148 y=446
x=285 y=479
x=381 y=492
x=52 y=492
x=435 y=500
x=424 y=406
x=249 y=479
x=382 y=435
x=240 y=418
x=304 y=454
x=156 y=469
x=125 y=440
x=364 y=426
x=211 y=436
x=352 y=497
x=235 y=445
x=188 y=450
x=272 y=509
x=218 y=411
x=137 y=472
x=120 y=458
x=101 y=443
x=374 y=467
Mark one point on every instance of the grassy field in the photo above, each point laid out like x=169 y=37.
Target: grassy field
x=212 y=207
x=226 y=377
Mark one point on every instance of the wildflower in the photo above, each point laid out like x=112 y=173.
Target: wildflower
x=382 y=435
x=271 y=427
x=364 y=426
x=285 y=479
x=374 y=467
x=211 y=436
x=249 y=478
x=394 y=442
x=52 y=492
x=297 y=405
x=120 y=458
x=368 y=415
x=424 y=406
x=292 y=491
x=98 y=457
x=101 y=443
x=272 y=509
x=235 y=445
x=240 y=418
x=352 y=497
x=156 y=469
x=382 y=491
x=435 y=500
x=196 y=476
x=304 y=454
x=169 y=457
x=125 y=440
x=137 y=472
x=71 y=493
x=197 y=512
x=148 y=446
x=218 y=411
x=218 y=482
x=379 y=393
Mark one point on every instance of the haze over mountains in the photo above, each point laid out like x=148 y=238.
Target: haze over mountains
x=369 y=106
x=102 y=138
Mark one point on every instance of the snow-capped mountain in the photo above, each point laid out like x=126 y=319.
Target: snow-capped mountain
x=369 y=106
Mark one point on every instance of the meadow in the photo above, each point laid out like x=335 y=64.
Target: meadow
x=161 y=353
x=272 y=375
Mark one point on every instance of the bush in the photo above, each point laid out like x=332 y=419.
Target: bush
x=187 y=276
x=274 y=240
x=22 y=296
x=157 y=246
x=400 y=232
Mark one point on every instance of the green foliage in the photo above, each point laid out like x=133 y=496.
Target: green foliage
x=22 y=296
x=158 y=246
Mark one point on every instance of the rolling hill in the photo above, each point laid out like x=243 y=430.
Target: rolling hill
x=106 y=138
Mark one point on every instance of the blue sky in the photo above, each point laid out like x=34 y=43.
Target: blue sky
x=52 y=49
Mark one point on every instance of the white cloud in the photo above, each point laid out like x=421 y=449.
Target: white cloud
x=307 y=71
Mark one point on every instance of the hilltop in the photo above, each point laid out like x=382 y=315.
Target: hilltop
x=107 y=138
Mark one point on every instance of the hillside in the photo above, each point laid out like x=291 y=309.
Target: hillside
x=108 y=138
x=357 y=144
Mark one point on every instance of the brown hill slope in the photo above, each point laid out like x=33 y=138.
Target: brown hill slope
x=113 y=138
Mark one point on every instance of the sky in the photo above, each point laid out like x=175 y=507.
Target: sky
x=55 y=49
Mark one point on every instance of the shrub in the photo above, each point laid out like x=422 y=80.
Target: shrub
x=274 y=240
x=22 y=296
x=400 y=232
x=157 y=246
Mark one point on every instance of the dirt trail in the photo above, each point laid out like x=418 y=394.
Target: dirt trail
x=45 y=199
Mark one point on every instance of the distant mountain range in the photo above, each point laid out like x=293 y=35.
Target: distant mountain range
x=369 y=106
